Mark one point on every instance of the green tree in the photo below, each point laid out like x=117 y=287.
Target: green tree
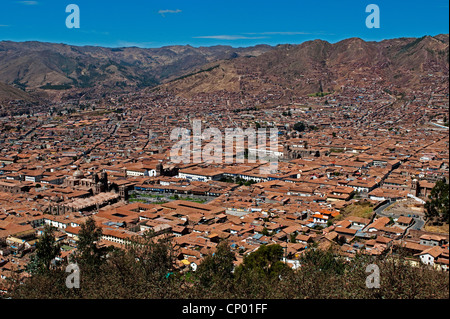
x=248 y=183
x=266 y=262
x=133 y=274
x=89 y=253
x=437 y=206
x=47 y=249
x=218 y=266
x=320 y=260
x=293 y=237
x=155 y=256
x=299 y=126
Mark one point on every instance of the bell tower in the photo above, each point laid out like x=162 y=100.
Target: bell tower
x=159 y=169
x=104 y=181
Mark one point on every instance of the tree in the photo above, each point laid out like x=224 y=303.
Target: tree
x=266 y=262
x=250 y=182
x=340 y=239
x=89 y=254
x=155 y=257
x=218 y=266
x=135 y=274
x=299 y=126
x=293 y=237
x=47 y=249
x=438 y=204
x=320 y=260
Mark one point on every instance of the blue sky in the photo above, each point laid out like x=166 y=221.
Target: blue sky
x=156 y=23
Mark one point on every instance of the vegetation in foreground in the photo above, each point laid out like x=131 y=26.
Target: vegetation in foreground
x=437 y=206
x=145 y=269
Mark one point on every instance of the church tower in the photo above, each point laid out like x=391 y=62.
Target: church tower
x=104 y=181
x=159 y=169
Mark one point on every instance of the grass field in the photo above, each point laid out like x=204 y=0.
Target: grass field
x=359 y=209
x=444 y=229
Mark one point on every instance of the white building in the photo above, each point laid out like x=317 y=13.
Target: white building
x=434 y=256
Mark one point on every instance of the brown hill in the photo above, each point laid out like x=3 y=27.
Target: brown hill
x=318 y=66
x=313 y=66
x=34 y=65
x=8 y=93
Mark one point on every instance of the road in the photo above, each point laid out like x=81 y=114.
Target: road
x=379 y=210
x=418 y=222
x=438 y=125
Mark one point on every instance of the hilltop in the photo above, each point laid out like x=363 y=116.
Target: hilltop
x=319 y=67
x=400 y=65
x=38 y=65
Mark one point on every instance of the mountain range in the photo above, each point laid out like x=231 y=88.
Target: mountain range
x=319 y=66
x=313 y=66
x=59 y=66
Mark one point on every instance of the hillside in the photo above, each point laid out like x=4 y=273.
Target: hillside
x=398 y=65
x=33 y=65
x=8 y=93
x=319 y=66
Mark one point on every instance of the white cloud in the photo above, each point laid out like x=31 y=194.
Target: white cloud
x=255 y=35
x=127 y=44
x=280 y=33
x=95 y=32
x=228 y=37
x=28 y=3
x=162 y=12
